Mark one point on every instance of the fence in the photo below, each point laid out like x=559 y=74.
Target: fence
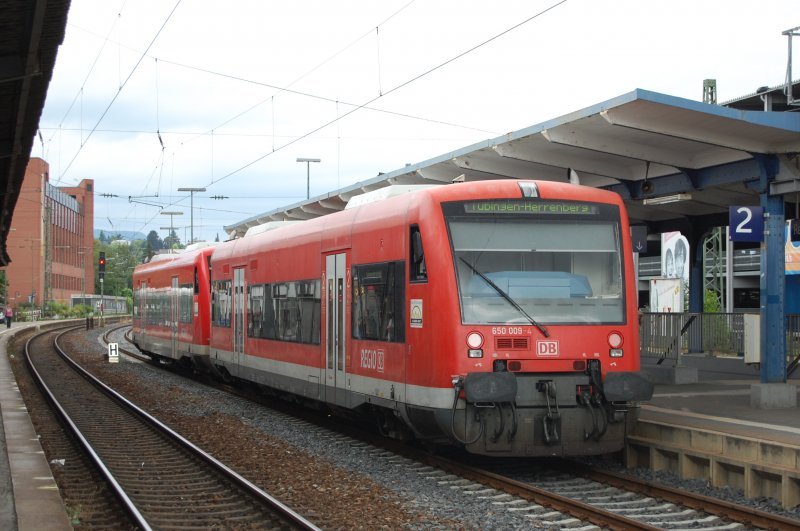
x=666 y=336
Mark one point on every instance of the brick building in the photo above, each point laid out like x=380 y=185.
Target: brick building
x=51 y=239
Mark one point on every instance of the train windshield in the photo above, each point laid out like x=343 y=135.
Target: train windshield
x=557 y=269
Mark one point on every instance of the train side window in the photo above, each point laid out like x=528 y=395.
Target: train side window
x=185 y=303
x=418 y=271
x=285 y=311
x=221 y=303
x=208 y=261
x=378 y=302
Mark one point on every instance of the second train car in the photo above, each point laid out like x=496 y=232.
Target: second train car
x=499 y=316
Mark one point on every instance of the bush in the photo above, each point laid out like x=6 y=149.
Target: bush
x=80 y=311
x=56 y=310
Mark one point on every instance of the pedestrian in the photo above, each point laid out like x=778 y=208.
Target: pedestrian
x=9 y=313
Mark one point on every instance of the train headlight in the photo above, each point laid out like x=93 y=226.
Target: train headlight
x=474 y=340
x=615 y=352
x=529 y=189
x=615 y=340
x=475 y=353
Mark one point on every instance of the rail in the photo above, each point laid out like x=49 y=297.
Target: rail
x=170 y=450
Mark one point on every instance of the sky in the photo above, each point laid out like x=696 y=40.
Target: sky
x=149 y=96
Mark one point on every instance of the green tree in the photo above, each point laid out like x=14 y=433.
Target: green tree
x=172 y=241
x=711 y=302
x=154 y=242
x=3 y=288
x=121 y=259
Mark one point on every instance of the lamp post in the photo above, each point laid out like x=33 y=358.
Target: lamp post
x=33 y=286
x=170 y=230
x=308 y=173
x=171 y=224
x=48 y=279
x=191 y=208
x=82 y=252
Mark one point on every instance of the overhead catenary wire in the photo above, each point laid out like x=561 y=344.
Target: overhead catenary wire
x=309 y=95
x=339 y=116
x=287 y=87
x=122 y=86
x=279 y=89
x=91 y=69
x=394 y=89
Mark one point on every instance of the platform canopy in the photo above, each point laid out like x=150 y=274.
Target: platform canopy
x=30 y=34
x=694 y=159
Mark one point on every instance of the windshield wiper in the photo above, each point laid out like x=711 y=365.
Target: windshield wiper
x=507 y=297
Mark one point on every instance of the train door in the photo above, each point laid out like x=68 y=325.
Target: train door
x=337 y=284
x=174 y=317
x=142 y=308
x=238 y=315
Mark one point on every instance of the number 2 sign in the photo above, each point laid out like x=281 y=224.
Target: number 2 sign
x=746 y=223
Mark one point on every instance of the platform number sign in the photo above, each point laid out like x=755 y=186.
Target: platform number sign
x=746 y=223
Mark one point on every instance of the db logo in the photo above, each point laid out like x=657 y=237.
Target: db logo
x=547 y=348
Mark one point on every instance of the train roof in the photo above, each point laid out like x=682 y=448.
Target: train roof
x=641 y=144
x=397 y=203
x=168 y=261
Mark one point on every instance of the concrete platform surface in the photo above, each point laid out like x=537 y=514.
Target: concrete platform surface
x=29 y=496
x=724 y=405
x=711 y=431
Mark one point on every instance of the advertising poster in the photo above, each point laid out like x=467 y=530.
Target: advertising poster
x=792 y=255
x=675 y=256
x=666 y=295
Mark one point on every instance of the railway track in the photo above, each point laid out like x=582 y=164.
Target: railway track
x=570 y=495
x=161 y=479
x=126 y=339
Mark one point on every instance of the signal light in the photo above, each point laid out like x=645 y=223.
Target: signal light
x=101 y=263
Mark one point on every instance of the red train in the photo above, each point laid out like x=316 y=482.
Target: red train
x=496 y=315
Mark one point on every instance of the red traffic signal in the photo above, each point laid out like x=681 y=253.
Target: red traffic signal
x=101 y=262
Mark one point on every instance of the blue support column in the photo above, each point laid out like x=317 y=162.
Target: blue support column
x=773 y=321
x=696 y=291
x=696 y=284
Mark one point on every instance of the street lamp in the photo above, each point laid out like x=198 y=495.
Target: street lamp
x=308 y=174
x=82 y=253
x=171 y=224
x=33 y=275
x=191 y=201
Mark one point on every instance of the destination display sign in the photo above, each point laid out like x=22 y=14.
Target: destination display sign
x=530 y=207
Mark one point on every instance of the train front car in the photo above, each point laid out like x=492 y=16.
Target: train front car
x=171 y=303
x=531 y=316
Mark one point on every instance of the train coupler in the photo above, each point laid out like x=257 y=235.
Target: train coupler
x=551 y=422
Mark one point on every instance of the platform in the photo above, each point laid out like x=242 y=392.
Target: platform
x=29 y=496
x=710 y=431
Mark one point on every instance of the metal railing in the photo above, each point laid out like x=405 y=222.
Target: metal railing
x=745 y=261
x=667 y=336
x=792 y=342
